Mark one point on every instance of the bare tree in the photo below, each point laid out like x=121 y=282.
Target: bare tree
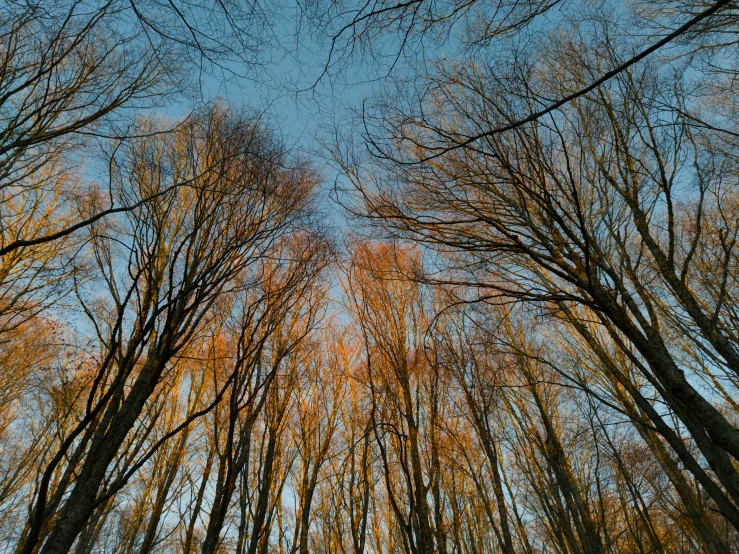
x=74 y=70
x=184 y=251
x=603 y=213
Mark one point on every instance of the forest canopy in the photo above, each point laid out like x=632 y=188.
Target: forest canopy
x=488 y=302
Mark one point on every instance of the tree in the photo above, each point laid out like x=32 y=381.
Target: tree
x=169 y=266
x=75 y=70
x=602 y=212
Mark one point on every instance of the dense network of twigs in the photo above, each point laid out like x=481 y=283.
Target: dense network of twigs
x=526 y=340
